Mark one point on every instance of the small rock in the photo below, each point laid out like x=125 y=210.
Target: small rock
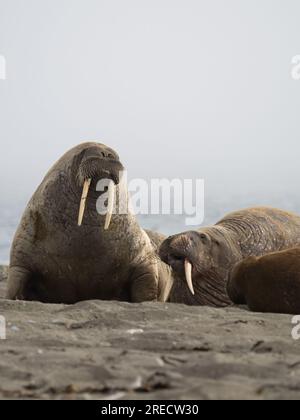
x=137 y=383
x=72 y=389
x=132 y=332
x=116 y=396
x=15 y=328
x=160 y=361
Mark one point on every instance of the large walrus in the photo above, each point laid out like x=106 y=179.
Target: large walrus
x=270 y=283
x=64 y=251
x=202 y=259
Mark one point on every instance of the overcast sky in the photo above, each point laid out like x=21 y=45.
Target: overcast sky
x=181 y=88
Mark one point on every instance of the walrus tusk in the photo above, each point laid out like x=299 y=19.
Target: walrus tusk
x=188 y=275
x=110 y=205
x=85 y=191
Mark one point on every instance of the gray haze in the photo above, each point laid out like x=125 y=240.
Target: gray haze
x=181 y=88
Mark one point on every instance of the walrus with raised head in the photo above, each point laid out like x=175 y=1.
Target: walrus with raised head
x=64 y=251
x=270 y=283
x=202 y=259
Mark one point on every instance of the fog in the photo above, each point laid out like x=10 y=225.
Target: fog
x=181 y=88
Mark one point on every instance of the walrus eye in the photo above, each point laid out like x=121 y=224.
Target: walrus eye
x=203 y=237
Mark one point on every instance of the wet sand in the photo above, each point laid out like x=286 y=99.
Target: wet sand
x=113 y=350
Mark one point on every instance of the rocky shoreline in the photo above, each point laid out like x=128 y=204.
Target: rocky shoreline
x=113 y=350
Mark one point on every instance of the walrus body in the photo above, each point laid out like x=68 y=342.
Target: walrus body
x=205 y=257
x=54 y=260
x=268 y=284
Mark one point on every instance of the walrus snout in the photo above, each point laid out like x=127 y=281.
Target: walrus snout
x=100 y=166
x=99 y=163
x=180 y=252
x=98 y=169
x=176 y=249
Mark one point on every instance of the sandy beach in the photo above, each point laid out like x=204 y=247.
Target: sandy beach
x=112 y=350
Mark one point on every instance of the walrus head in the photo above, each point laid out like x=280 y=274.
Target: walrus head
x=96 y=162
x=200 y=261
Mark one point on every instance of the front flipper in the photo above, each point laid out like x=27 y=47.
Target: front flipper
x=144 y=285
x=19 y=281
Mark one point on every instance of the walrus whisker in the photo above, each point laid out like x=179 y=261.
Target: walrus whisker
x=85 y=191
x=188 y=275
x=110 y=205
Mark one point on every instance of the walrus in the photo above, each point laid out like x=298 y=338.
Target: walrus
x=202 y=259
x=270 y=283
x=64 y=251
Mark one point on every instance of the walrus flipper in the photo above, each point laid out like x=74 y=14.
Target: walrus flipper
x=19 y=279
x=144 y=285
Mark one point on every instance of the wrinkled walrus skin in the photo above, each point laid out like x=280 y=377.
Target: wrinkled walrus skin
x=54 y=260
x=214 y=251
x=268 y=284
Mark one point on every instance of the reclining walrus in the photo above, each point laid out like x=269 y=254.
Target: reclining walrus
x=268 y=284
x=202 y=260
x=64 y=251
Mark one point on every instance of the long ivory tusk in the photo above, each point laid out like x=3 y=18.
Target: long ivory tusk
x=188 y=275
x=110 y=206
x=85 y=191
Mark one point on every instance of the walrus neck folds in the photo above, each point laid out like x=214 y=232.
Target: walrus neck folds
x=213 y=291
x=253 y=233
